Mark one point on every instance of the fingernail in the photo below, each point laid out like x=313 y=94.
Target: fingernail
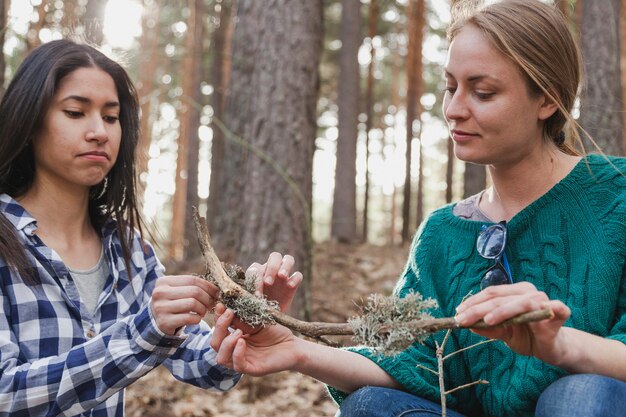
x=292 y=284
x=460 y=308
x=488 y=318
x=460 y=319
x=283 y=272
x=269 y=280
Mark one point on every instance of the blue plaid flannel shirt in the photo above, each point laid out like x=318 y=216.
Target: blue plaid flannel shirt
x=56 y=358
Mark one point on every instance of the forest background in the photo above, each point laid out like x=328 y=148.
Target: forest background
x=309 y=127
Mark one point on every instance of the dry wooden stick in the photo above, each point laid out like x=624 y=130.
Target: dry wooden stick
x=230 y=289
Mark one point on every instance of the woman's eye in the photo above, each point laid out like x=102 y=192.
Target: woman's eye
x=111 y=119
x=484 y=95
x=74 y=114
x=450 y=90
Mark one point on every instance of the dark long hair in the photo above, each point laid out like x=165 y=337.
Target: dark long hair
x=22 y=111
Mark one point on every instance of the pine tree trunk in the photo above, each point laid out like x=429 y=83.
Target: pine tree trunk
x=623 y=65
x=94 y=21
x=369 y=111
x=4 y=6
x=343 y=226
x=32 y=36
x=449 y=171
x=413 y=66
x=419 y=24
x=220 y=71
x=601 y=110
x=186 y=193
x=475 y=179
x=194 y=109
x=148 y=59
x=265 y=190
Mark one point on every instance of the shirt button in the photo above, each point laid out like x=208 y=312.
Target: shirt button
x=91 y=333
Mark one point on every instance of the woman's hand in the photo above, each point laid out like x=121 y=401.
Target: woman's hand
x=271 y=349
x=275 y=280
x=181 y=300
x=543 y=339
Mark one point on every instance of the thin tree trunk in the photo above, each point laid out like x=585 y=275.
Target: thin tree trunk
x=70 y=17
x=420 y=22
x=395 y=101
x=148 y=59
x=601 y=109
x=563 y=6
x=412 y=104
x=220 y=71
x=32 y=36
x=343 y=226
x=186 y=193
x=194 y=110
x=475 y=179
x=623 y=67
x=369 y=104
x=94 y=21
x=266 y=186
x=449 y=171
x=4 y=11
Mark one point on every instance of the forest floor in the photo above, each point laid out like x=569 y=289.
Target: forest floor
x=344 y=276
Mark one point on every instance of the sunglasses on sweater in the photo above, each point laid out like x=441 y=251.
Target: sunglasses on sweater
x=490 y=245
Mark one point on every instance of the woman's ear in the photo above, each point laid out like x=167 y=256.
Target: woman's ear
x=547 y=107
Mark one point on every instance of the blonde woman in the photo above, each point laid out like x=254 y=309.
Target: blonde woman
x=552 y=225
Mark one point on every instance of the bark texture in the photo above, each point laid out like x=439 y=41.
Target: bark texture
x=601 y=110
x=265 y=197
x=343 y=226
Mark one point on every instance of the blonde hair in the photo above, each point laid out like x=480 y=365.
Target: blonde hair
x=534 y=36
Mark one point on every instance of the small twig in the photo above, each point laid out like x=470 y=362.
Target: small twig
x=426 y=368
x=479 y=382
x=468 y=347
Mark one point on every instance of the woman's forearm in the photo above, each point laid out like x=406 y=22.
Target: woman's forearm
x=344 y=370
x=587 y=353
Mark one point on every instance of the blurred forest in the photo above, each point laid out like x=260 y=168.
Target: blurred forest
x=310 y=127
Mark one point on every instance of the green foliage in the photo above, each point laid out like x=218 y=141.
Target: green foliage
x=384 y=327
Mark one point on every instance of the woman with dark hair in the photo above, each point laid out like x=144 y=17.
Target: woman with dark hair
x=552 y=225
x=84 y=308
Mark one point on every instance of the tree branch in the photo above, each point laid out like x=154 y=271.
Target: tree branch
x=229 y=290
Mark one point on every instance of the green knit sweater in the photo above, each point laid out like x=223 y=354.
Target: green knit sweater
x=570 y=243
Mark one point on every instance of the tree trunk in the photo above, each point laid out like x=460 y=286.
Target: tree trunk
x=220 y=71
x=449 y=171
x=623 y=65
x=149 y=58
x=369 y=111
x=4 y=11
x=415 y=11
x=265 y=201
x=395 y=102
x=343 y=226
x=419 y=23
x=186 y=193
x=94 y=21
x=475 y=179
x=563 y=6
x=193 y=94
x=601 y=110
x=32 y=36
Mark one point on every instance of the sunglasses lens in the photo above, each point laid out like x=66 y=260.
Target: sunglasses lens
x=490 y=242
x=495 y=276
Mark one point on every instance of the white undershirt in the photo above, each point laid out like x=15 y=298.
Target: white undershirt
x=90 y=282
